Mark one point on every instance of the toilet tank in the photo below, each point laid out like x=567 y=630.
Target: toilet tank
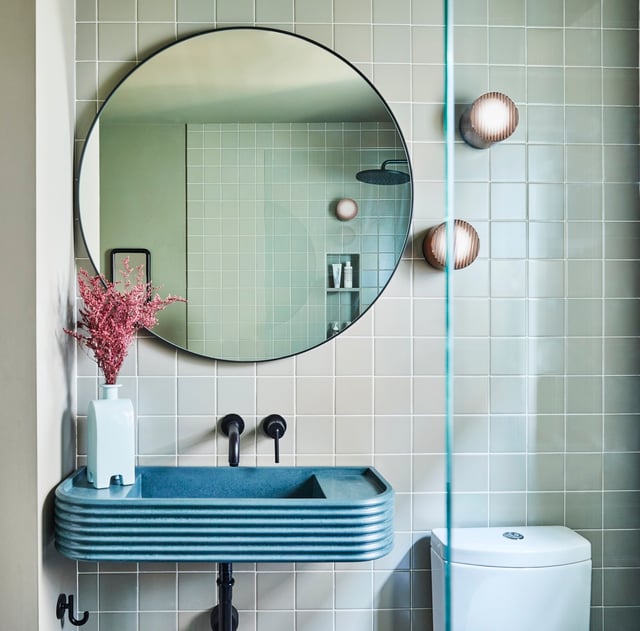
x=513 y=579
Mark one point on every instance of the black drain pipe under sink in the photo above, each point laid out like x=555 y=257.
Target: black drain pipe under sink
x=224 y=616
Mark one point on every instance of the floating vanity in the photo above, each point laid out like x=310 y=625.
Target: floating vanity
x=223 y=514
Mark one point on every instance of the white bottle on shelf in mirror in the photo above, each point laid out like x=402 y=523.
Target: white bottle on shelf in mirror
x=348 y=275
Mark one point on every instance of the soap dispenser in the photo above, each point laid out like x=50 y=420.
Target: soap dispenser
x=348 y=275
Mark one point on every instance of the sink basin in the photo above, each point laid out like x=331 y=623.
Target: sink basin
x=224 y=514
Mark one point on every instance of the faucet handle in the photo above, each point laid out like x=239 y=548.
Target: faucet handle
x=275 y=426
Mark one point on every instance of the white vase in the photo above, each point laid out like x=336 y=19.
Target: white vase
x=110 y=439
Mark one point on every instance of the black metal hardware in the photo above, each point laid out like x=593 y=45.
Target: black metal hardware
x=65 y=603
x=274 y=427
x=232 y=426
x=224 y=616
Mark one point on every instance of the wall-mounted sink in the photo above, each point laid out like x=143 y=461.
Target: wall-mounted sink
x=224 y=514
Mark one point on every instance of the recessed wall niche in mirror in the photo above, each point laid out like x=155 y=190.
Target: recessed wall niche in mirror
x=224 y=155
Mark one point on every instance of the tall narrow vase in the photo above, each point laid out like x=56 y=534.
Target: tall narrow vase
x=110 y=439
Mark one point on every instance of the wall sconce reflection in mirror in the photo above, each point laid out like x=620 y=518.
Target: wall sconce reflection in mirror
x=346 y=209
x=137 y=257
x=466 y=245
x=491 y=118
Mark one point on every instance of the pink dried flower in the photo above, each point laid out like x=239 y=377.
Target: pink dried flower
x=111 y=316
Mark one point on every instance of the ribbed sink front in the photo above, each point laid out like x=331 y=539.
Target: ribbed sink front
x=223 y=514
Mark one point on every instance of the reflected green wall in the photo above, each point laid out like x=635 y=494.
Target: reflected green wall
x=131 y=157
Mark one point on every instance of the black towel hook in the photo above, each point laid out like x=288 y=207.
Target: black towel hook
x=65 y=603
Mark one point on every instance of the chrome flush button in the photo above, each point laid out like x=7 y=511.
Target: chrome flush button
x=510 y=534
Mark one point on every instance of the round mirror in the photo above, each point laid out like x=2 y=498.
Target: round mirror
x=219 y=163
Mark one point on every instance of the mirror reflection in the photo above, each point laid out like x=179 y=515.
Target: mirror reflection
x=225 y=156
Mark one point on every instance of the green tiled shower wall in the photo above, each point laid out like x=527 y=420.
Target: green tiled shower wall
x=547 y=320
x=266 y=243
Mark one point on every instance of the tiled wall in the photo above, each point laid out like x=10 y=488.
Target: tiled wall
x=546 y=320
x=270 y=240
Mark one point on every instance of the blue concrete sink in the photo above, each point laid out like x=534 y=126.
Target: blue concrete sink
x=224 y=514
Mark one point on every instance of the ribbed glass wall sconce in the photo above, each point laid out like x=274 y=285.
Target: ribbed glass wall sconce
x=466 y=245
x=491 y=118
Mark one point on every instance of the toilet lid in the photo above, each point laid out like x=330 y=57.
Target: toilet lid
x=516 y=546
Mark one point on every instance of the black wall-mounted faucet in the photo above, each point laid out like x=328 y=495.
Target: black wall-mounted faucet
x=232 y=426
x=274 y=427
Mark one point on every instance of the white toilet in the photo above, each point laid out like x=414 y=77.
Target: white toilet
x=513 y=579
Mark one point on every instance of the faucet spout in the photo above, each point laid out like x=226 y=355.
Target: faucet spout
x=232 y=426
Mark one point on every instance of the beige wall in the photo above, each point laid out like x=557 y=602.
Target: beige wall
x=36 y=444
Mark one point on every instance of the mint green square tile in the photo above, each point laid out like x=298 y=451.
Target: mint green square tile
x=508 y=472
x=546 y=317
x=584 y=279
x=86 y=42
x=545 y=13
x=584 y=124
x=506 y=45
x=584 y=395
x=154 y=35
x=116 y=10
x=620 y=125
x=398 y=12
x=546 y=356
x=620 y=278
x=471 y=165
x=511 y=81
x=508 y=356
x=545 y=47
x=391 y=44
x=508 y=201
x=546 y=279
x=584 y=163
x=508 y=317
x=620 y=201
x=195 y=11
x=584 y=239
x=546 y=240
x=86 y=10
x=471 y=81
x=620 y=87
x=622 y=240
x=507 y=394
x=621 y=356
x=352 y=11
x=582 y=14
x=470 y=45
x=584 y=356
x=157 y=10
x=116 y=42
x=582 y=47
x=353 y=41
x=584 y=201
x=427 y=44
x=156 y=621
x=584 y=510
x=507 y=12
x=508 y=240
x=545 y=85
x=584 y=316
x=545 y=472
x=274 y=11
x=546 y=163
x=546 y=202
x=508 y=279
x=620 y=163
x=620 y=14
x=583 y=86
x=620 y=48
x=508 y=163
x=545 y=123
x=508 y=433
x=86 y=81
x=469 y=12
x=546 y=401
x=313 y=10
